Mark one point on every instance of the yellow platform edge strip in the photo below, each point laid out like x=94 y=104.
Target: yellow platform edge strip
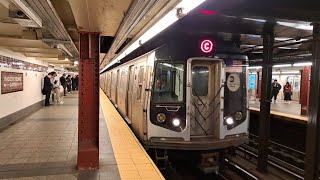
x=105 y=104
x=297 y=117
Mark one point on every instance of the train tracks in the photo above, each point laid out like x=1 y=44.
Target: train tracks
x=283 y=161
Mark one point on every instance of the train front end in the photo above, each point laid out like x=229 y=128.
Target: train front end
x=198 y=104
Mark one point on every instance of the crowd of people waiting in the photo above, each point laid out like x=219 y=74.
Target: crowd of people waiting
x=51 y=87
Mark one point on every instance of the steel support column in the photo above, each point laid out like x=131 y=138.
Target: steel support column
x=259 y=85
x=305 y=90
x=313 y=127
x=264 y=120
x=88 y=125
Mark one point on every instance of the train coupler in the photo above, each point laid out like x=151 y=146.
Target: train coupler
x=209 y=162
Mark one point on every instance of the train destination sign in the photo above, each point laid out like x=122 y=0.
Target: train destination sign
x=11 y=82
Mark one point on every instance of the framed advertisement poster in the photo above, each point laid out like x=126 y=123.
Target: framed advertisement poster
x=11 y=82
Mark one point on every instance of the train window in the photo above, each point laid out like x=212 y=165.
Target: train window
x=168 y=84
x=200 y=80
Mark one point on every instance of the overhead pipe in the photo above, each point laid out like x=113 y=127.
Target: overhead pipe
x=137 y=11
x=53 y=23
x=278 y=44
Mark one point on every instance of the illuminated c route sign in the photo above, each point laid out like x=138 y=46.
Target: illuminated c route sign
x=206 y=46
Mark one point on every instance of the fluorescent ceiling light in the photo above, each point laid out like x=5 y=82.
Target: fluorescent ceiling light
x=257 y=52
x=167 y=20
x=290 y=72
x=254 y=67
x=253 y=19
x=286 y=72
x=287 y=47
x=282 y=65
x=281 y=38
x=303 y=64
x=296 y=25
x=24 y=6
x=247 y=45
x=253 y=35
x=303 y=55
x=258 y=47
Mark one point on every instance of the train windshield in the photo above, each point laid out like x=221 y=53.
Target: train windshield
x=168 y=84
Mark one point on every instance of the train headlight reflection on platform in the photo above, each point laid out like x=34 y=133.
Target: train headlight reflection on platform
x=238 y=116
x=161 y=117
x=176 y=122
x=229 y=120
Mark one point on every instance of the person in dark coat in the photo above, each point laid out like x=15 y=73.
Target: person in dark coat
x=287 y=91
x=69 y=83
x=47 y=87
x=72 y=83
x=76 y=82
x=275 y=90
x=63 y=83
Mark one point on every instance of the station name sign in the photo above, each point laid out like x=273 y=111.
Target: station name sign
x=11 y=82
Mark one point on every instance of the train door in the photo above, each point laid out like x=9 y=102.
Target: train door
x=105 y=81
x=130 y=91
x=109 y=84
x=204 y=96
x=117 y=86
x=113 y=87
x=138 y=99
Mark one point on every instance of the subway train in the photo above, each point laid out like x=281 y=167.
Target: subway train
x=187 y=94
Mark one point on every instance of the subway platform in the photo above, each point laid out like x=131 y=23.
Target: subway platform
x=44 y=146
x=282 y=109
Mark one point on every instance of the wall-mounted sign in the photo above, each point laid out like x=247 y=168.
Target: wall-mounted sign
x=206 y=46
x=11 y=82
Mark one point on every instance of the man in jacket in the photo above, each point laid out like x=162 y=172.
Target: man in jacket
x=275 y=90
x=63 y=83
x=76 y=82
x=47 y=87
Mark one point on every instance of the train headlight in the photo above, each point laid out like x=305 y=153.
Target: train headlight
x=238 y=116
x=176 y=122
x=161 y=117
x=229 y=120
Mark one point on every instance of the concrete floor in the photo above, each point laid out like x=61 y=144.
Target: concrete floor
x=293 y=108
x=44 y=146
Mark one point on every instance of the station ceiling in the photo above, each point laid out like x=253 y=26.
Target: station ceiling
x=120 y=21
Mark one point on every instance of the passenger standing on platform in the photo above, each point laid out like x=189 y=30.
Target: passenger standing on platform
x=76 y=82
x=56 y=91
x=287 y=91
x=72 y=83
x=47 y=87
x=52 y=95
x=69 y=83
x=63 y=83
x=275 y=90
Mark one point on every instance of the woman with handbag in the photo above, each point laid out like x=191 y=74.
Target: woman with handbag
x=287 y=91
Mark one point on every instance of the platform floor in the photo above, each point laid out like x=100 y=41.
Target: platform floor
x=281 y=108
x=44 y=146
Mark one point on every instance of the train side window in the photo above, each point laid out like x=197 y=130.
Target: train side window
x=140 y=81
x=200 y=80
